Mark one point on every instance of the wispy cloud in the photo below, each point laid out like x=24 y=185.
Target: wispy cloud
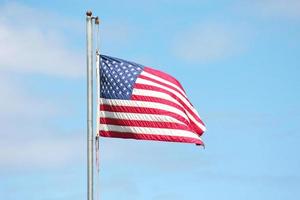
x=17 y=102
x=35 y=42
x=278 y=9
x=209 y=42
x=26 y=141
x=32 y=42
x=41 y=152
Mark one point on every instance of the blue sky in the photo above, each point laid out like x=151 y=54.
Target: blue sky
x=238 y=61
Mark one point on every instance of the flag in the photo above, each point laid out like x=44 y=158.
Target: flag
x=143 y=103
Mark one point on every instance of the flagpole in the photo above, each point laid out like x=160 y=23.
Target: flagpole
x=89 y=40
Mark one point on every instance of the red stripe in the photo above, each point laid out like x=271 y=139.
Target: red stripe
x=161 y=83
x=144 y=123
x=142 y=136
x=167 y=77
x=131 y=109
x=154 y=88
x=170 y=103
x=157 y=100
x=196 y=128
x=169 y=91
x=192 y=124
x=164 y=76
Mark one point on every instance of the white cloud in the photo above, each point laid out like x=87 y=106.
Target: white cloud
x=26 y=143
x=209 y=42
x=16 y=102
x=35 y=42
x=40 y=152
x=32 y=42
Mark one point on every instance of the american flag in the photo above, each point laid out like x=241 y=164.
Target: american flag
x=143 y=103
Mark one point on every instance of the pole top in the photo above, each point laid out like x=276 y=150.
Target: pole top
x=89 y=13
x=97 y=21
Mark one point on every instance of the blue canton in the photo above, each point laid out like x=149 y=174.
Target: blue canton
x=117 y=77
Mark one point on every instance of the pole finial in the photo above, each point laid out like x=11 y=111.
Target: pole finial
x=97 y=21
x=89 y=13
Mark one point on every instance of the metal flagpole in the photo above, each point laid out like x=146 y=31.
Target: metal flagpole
x=89 y=40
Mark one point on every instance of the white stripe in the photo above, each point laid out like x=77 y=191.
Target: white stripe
x=165 y=96
x=162 y=80
x=147 y=130
x=185 y=101
x=151 y=83
x=151 y=93
x=139 y=116
x=143 y=104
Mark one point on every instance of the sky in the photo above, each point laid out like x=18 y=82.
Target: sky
x=237 y=60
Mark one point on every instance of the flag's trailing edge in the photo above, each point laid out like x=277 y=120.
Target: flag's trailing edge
x=142 y=103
